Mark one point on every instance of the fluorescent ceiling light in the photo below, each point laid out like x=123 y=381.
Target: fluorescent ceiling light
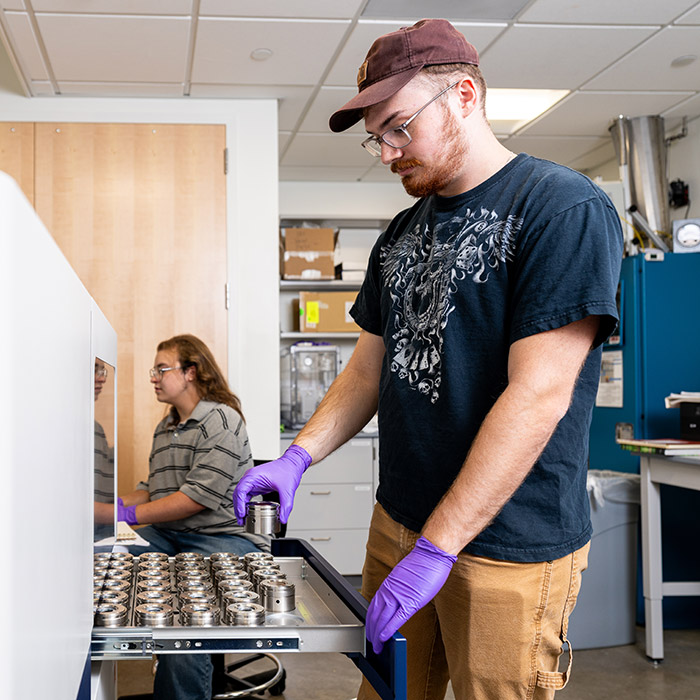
x=510 y=109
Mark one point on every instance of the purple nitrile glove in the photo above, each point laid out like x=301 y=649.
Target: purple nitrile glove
x=282 y=475
x=412 y=583
x=126 y=514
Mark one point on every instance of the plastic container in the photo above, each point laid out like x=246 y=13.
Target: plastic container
x=605 y=613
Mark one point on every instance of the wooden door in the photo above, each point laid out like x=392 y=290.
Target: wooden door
x=140 y=213
x=17 y=154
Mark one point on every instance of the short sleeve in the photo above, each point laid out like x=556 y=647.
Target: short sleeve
x=567 y=270
x=366 y=310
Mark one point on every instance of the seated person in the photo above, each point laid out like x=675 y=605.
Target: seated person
x=200 y=451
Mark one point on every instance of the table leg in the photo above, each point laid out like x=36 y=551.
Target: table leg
x=652 y=561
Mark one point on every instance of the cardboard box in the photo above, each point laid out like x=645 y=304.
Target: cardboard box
x=326 y=312
x=308 y=253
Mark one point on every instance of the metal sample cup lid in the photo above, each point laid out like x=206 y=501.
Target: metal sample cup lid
x=153 y=556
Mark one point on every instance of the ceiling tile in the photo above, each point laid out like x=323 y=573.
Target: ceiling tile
x=590 y=113
x=91 y=48
x=344 y=71
x=692 y=17
x=449 y=9
x=381 y=173
x=326 y=102
x=690 y=109
x=337 y=9
x=605 y=11
x=560 y=149
x=292 y=100
x=336 y=150
x=67 y=88
x=13 y=4
x=320 y=174
x=222 y=52
x=123 y=7
x=651 y=63
x=593 y=160
x=283 y=138
x=42 y=88
x=539 y=56
x=25 y=46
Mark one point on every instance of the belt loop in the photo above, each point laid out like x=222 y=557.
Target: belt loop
x=556 y=679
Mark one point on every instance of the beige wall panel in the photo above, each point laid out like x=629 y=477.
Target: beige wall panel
x=17 y=154
x=140 y=213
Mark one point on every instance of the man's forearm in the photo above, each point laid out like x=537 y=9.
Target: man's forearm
x=497 y=463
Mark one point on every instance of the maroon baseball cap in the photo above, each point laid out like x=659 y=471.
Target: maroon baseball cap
x=395 y=58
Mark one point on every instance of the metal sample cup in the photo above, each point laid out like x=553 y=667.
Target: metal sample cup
x=114 y=597
x=223 y=556
x=245 y=614
x=110 y=615
x=121 y=564
x=156 y=597
x=153 y=575
x=277 y=595
x=122 y=556
x=119 y=574
x=187 y=585
x=200 y=615
x=154 y=615
x=150 y=564
x=152 y=584
x=229 y=575
x=262 y=574
x=153 y=556
x=115 y=584
x=233 y=585
x=191 y=597
x=192 y=575
x=250 y=557
x=226 y=564
x=189 y=556
x=263 y=518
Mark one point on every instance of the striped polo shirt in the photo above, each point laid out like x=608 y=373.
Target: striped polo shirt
x=204 y=458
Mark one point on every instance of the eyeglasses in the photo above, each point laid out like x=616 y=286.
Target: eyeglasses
x=398 y=137
x=158 y=372
x=101 y=372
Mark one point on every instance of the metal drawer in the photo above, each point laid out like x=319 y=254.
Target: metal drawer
x=329 y=616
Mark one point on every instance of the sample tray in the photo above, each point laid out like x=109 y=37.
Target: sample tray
x=329 y=617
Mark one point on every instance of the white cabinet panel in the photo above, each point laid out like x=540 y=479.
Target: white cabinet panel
x=344 y=549
x=351 y=463
x=332 y=506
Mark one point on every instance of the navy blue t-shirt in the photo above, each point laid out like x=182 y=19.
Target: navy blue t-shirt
x=451 y=284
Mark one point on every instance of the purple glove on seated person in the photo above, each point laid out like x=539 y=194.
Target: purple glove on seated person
x=126 y=514
x=412 y=583
x=282 y=475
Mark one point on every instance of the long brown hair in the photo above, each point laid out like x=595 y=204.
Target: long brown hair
x=211 y=383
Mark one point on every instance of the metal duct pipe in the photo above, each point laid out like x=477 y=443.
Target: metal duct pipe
x=640 y=146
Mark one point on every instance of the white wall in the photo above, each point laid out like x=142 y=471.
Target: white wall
x=252 y=224
x=46 y=433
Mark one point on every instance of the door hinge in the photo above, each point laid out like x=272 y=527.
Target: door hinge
x=227 y=296
x=225 y=161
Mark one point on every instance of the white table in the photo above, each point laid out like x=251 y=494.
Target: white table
x=657 y=470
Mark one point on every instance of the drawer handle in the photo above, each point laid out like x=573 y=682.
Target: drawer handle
x=320 y=539
x=320 y=493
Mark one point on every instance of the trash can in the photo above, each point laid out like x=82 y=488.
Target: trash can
x=605 y=613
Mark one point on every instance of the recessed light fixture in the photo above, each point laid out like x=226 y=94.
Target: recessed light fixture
x=509 y=109
x=261 y=54
x=684 y=60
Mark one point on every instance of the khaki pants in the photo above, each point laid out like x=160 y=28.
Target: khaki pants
x=495 y=629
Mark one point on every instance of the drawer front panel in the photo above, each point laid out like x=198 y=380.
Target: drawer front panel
x=343 y=549
x=332 y=506
x=350 y=463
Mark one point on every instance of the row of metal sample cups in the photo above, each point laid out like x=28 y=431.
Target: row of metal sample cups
x=243 y=587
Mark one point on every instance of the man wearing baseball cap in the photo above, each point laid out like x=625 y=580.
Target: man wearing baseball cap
x=483 y=311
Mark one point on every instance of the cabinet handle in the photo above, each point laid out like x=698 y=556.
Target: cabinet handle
x=320 y=539
x=320 y=493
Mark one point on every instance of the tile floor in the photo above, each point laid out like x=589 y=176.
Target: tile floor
x=619 y=673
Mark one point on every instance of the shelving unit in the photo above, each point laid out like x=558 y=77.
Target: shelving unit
x=334 y=503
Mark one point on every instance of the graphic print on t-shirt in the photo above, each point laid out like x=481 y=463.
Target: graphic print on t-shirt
x=422 y=270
